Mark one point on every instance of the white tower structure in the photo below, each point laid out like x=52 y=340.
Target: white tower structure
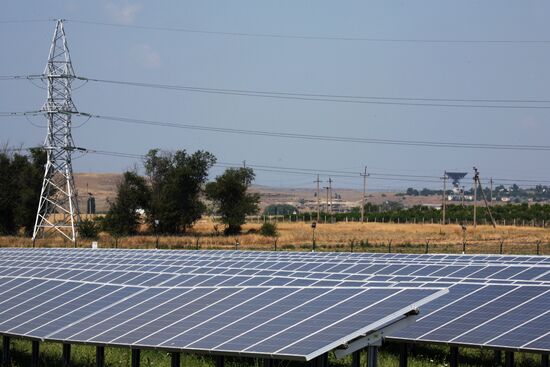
x=58 y=206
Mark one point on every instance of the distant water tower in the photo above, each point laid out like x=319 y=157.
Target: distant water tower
x=90 y=204
x=458 y=191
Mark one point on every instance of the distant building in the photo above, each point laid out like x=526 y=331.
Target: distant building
x=90 y=204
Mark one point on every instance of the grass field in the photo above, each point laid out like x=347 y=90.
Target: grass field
x=367 y=237
x=420 y=356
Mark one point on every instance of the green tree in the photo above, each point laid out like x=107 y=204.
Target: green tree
x=176 y=181
x=269 y=229
x=30 y=185
x=229 y=193
x=20 y=184
x=88 y=229
x=133 y=195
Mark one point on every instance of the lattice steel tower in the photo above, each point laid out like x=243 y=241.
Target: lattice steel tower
x=58 y=207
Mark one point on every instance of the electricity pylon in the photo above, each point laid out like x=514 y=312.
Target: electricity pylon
x=58 y=206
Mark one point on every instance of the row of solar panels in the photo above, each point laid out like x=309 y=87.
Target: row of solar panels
x=221 y=276
x=495 y=315
x=293 y=256
x=372 y=270
x=283 y=322
x=469 y=314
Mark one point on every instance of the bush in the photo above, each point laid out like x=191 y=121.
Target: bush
x=269 y=229
x=88 y=229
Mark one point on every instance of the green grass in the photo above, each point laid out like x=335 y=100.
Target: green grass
x=419 y=356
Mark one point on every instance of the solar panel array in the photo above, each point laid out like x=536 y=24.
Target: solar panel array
x=493 y=301
x=103 y=298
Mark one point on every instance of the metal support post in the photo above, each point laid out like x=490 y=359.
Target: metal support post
x=453 y=362
x=356 y=358
x=6 y=357
x=321 y=361
x=100 y=356
x=372 y=356
x=403 y=355
x=509 y=359
x=497 y=358
x=176 y=359
x=544 y=360
x=35 y=361
x=220 y=361
x=135 y=357
x=66 y=355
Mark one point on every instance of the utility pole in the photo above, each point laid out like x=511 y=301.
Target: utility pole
x=58 y=205
x=318 y=199
x=491 y=193
x=328 y=190
x=477 y=179
x=330 y=194
x=444 y=196
x=363 y=201
x=475 y=198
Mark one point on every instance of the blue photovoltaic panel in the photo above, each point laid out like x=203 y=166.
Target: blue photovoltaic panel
x=488 y=293
x=174 y=318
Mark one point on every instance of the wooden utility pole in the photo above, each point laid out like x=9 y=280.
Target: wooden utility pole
x=318 y=199
x=444 y=196
x=478 y=183
x=326 y=207
x=475 y=198
x=330 y=193
x=363 y=201
x=491 y=193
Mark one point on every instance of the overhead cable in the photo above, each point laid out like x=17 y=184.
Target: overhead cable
x=315 y=37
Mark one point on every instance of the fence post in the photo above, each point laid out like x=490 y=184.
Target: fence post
x=389 y=247
x=427 y=246
x=538 y=247
x=501 y=243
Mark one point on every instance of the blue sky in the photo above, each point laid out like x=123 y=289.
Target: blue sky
x=394 y=69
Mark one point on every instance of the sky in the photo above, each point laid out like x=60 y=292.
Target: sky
x=454 y=70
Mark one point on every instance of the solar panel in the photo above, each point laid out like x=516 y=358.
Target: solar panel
x=494 y=300
x=256 y=321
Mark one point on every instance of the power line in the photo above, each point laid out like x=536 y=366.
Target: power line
x=324 y=137
x=15 y=21
x=312 y=37
x=320 y=97
x=296 y=170
x=342 y=139
x=25 y=113
x=324 y=97
x=22 y=77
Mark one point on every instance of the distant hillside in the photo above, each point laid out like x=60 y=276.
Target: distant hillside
x=103 y=187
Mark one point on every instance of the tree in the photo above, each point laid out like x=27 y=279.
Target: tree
x=20 y=185
x=229 y=193
x=269 y=229
x=88 y=229
x=176 y=181
x=30 y=185
x=133 y=195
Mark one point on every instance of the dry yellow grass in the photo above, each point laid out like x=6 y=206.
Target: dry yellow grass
x=374 y=237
